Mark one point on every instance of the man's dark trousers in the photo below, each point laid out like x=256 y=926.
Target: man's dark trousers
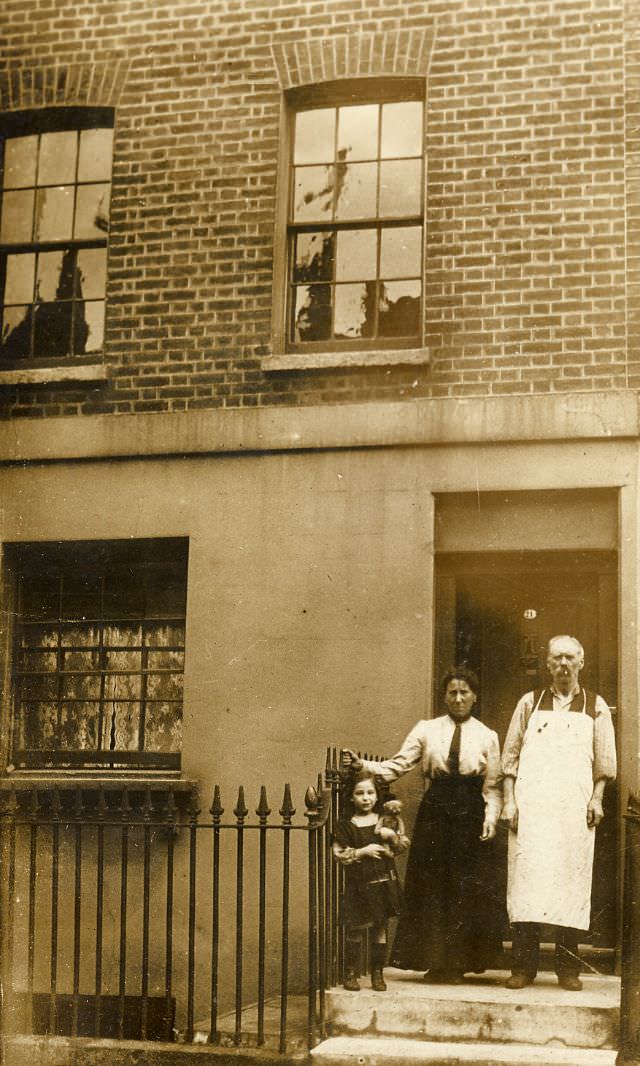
x=525 y=950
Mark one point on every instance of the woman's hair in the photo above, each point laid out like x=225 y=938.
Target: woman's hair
x=460 y=673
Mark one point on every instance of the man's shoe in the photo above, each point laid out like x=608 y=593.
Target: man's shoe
x=518 y=980
x=570 y=982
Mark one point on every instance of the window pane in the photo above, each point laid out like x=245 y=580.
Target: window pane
x=356 y=190
x=92 y=272
x=123 y=719
x=399 y=312
x=401 y=129
x=354 y=314
x=357 y=254
x=78 y=727
x=20 y=162
x=16 y=332
x=54 y=212
x=313 y=194
x=17 y=217
x=57 y=165
x=89 y=327
x=164 y=686
x=92 y=211
x=18 y=287
x=358 y=132
x=49 y=275
x=163 y=727
x=80 y=686
x=400 y=187
x=52 y=329
x=401 y=252
x=312 y=313
x=96 y=152
x=315 y=136
x=313 y=260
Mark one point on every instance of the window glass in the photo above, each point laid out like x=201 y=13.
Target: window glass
x=54 y=199
x=355 y=269
x=89 y=691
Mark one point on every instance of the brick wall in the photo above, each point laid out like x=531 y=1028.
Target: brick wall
x=526 y=196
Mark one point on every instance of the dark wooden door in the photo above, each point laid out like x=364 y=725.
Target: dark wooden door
x=496 y=612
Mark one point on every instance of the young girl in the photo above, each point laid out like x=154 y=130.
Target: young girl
x=372 y=890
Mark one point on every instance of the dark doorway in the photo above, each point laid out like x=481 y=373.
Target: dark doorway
x=495 y=611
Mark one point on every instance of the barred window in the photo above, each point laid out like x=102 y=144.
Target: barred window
x=55 y=189
x=355 y=221
x=98 y=653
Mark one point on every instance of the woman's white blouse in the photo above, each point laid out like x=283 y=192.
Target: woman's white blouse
x=428 y=743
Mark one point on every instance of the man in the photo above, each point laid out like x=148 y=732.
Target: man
x=558 y=755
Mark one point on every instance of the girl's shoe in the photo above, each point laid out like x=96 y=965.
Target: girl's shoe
x=378 y=983
x=351 y=982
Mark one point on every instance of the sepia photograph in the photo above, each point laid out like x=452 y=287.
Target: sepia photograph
x=319 y=533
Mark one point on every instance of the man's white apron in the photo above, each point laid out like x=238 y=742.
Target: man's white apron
x=551 y=855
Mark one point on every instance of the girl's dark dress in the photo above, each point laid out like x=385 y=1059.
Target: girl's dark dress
x=372 y=889
x=453 y=912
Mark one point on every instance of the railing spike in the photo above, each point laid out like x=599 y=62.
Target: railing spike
x=101 y=806
x=147 y=805
x=216 y=809
x=125 y=805
x=56 y=803
x=334 y=762
x=240 y=810
x=263 y=810
x=78 y=806
x=311 y=798
x=287 y=810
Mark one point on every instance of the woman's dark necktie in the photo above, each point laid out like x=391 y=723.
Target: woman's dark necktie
x=453 y=759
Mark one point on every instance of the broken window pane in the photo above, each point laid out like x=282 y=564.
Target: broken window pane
x=358 y=132
x=314 y=136
x=96 y=151
x=20 y=154
x=88 y=327
x=355 y=310
x=401 y=252
x=18 y=286
x=16 y=225
x=399 y=312
x=50 y=266
x=357 y=255
x=401 y=129
x=313 y=258
x=54 y=214
x=313 y=194
x=400 y=187
x=312 y=312
x=356 y=193
x=57 y=162
x=92 y=212
x=52 y=328
x=16 y=332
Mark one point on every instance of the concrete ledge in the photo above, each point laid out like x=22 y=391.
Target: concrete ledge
x=575 y=416
x=319 y=360
x=343 y=1051
x=84 y=1051
x=52 y=375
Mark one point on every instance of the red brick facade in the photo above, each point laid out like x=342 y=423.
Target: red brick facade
x=533 y=195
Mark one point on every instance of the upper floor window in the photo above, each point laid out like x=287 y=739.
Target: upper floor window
x=355 y=220
x=55 y=189
x=98 y=653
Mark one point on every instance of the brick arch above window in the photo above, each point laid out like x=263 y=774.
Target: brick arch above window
x=358 y=55
x=87 y=84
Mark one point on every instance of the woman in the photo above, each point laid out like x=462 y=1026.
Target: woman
x=452 y=917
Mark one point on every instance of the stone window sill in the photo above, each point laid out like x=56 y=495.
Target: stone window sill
x=51 y=375
x=319 y=360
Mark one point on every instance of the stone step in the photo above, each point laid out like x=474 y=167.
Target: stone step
x=395 y=1051
x=481 y=1009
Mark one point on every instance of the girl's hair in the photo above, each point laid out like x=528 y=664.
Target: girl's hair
x=460 y=673
x=354 y=778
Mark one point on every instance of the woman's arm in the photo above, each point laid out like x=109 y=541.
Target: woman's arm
x=404 y=760
x=492 y=788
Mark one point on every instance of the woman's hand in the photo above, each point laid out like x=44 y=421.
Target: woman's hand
x=510 y=815
x=351 y=759
x=373 y=851
x=488 y=831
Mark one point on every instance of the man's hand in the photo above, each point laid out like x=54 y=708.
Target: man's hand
x=510 y=815
x=488 y=831
x=595 y=813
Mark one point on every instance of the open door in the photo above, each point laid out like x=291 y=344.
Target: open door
x=495 y=612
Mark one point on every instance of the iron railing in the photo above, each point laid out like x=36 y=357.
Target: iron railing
x=127 y=913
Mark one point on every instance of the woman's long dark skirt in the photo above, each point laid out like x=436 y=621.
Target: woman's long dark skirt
x=453 y=914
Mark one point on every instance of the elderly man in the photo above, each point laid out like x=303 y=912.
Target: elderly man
x=558 y=755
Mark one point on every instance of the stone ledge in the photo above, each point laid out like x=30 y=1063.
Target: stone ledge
x=51 y=375
x=319 y=360
x=594 y=416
